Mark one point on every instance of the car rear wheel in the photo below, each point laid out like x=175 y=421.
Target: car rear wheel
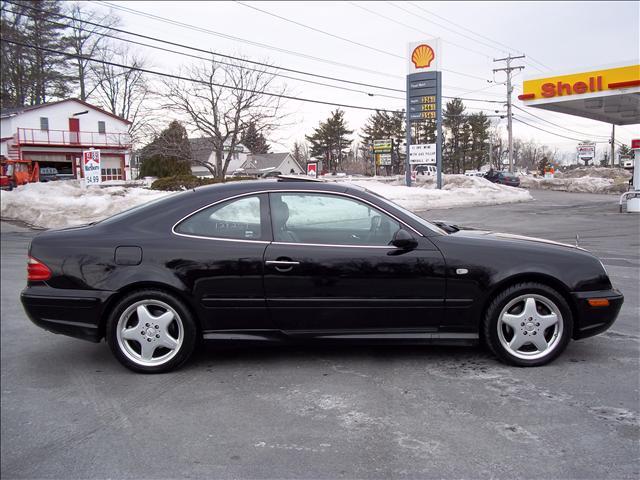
x=528 y=324
x=151 y=331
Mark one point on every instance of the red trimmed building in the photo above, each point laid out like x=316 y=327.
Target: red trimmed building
x=55 y=134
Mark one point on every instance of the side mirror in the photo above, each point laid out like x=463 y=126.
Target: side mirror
x=404 y=240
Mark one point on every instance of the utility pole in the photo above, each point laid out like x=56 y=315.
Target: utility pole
x=613 y=143
x=508 y=69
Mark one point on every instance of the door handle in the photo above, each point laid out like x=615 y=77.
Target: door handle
x=282 y=265
x=281 y=262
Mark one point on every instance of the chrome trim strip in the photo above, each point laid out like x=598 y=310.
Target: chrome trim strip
x=387 y=247
x=281 y=262
x=259 y=192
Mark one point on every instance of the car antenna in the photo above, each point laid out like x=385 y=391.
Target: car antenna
x=577 y=240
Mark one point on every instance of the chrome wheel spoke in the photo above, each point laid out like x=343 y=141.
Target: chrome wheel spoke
x=147 y=349
x=164 y=320
x=513 y=321
x=132 y=333
x=168 y=341
x=518 y=340
x=539 y=342
x=530 y=310
x=547 y=321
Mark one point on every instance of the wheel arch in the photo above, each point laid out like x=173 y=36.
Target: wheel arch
x=528 y=277
x=144 y=285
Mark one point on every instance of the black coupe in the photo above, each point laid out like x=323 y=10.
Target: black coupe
x=290 y=260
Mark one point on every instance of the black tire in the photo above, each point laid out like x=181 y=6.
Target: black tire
x=491 y=327
x=184 y=321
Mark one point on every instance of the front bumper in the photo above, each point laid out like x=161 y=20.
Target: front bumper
x=594 y=320
x=75 y=313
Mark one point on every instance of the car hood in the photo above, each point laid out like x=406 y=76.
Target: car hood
x=511 y=237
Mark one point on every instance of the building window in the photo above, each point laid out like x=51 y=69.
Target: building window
x=101 y=127
x=44 y=123
x=111 y=174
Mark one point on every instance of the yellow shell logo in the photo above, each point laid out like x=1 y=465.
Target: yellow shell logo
x=422 y=56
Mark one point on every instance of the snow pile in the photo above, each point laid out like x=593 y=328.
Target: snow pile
x=458 y=191
x=67 y=203
x=601 y=172
x=586 y=184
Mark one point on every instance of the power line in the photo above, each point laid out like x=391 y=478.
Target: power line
x=264 y=45
x=156 y=39
x=344 y=39
x=156 y=47
x=552 y=133
x=193 y=80
x=480 y=35
x=414 y=28
x=559 y=126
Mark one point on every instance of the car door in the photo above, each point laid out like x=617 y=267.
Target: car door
x=331 y=267
x=220 y=254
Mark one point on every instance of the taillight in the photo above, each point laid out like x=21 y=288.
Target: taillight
x=37 y=271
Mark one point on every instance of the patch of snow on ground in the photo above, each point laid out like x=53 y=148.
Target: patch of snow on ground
x=67 y=203
x=458 y=191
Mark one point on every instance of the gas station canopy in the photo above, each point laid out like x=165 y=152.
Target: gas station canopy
x=610 y=94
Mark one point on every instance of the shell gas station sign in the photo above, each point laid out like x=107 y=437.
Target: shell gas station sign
x=607 y=94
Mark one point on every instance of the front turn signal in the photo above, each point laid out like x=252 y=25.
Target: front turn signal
x=598 y=302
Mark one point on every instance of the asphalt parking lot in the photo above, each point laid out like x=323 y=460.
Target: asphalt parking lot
x=69 y=410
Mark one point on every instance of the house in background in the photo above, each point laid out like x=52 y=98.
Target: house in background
x=202 y=151
x=55 y=134
x=271 y=162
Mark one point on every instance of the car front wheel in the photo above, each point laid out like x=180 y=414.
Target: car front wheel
x=528 y=324
x=151 y=331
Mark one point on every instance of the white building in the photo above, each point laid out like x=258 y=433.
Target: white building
x=55 y=134
x=202 y=152
x=261 y=164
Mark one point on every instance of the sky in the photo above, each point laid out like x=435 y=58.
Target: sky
x=555 y=36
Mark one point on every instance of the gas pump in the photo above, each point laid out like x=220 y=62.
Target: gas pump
x=632 y=197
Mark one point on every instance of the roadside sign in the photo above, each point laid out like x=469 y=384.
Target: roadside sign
x=422 y=153
x=312 y=169
x=91 y=167
x=385 y=159
x=383 y=146
x=586 y=151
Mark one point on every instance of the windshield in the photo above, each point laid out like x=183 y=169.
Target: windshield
x=408 y=213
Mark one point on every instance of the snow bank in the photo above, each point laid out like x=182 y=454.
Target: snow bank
x=67 y=203
x=458 y=191
x=579 y=184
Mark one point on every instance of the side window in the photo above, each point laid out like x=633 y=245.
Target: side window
x=44 y=123
x=329 y=219
x=237 y=219
x=102 y=127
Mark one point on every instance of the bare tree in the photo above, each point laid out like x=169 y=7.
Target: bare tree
x=88 y=40
x=222 y=101
x=123 y=91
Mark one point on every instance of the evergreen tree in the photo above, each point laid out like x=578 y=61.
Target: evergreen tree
x=479 y=148
x=31 y=76
x=253 y=139
x=454 y=120
x=329 y=141
x=168 y=154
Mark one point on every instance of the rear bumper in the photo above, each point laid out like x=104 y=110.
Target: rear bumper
x=594 y=320
x=75 y=313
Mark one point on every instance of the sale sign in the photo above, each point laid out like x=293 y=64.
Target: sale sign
x=91 y=167
x=312 y=169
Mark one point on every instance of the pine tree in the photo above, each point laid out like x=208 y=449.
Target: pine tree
x=453 y=120
x=479 y=152
x=253 y=139
x=32 y=76
x=329 y=141
x=168 y=154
